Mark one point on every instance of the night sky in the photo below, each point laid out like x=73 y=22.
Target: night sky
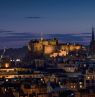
x=68 y=20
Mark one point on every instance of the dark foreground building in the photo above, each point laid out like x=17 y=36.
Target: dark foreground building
x=92 y=43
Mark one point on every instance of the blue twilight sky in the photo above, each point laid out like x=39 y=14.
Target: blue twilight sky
x=22 y=20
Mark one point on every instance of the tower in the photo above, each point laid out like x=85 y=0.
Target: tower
x=92 y=34
x=92 y=43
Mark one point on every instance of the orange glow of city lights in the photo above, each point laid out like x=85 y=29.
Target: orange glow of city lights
x=6 y=65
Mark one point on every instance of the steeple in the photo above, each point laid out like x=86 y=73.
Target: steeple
x=92 y=43
x=92 y=34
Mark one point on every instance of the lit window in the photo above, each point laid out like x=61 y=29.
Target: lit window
x=80 y=82
x=74 y=86
x=71 y=86
x=81 y=86
x=6 y=65
x=88 y=77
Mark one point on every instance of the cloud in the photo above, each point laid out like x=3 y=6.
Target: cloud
x=66 y=37
x=33 y=17
x=86 y=33
x=21 y=39
x=19 y=34
x=5 y=31
x=72 y=38
x=23 y=36
x=29 y=36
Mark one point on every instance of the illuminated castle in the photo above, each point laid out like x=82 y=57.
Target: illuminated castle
x=42 y=46
x=51 y=47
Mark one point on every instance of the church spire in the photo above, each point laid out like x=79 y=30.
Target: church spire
x=92 y=34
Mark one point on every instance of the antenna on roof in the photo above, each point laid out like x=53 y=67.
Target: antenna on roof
x=4 y=50
x=41 y=36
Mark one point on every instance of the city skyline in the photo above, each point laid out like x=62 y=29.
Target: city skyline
x=20 y=20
